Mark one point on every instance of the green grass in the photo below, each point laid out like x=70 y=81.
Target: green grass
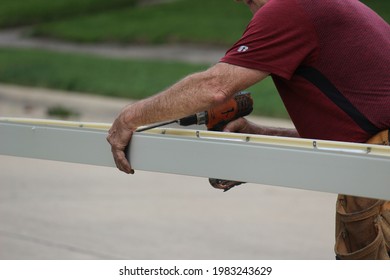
x=112 y=77
x=186 y=21
x=134 y=79
x=218 y=22
x=380 y=6
x=61 y=112
x=22 y=12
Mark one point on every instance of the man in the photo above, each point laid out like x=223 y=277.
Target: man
x=330 y=63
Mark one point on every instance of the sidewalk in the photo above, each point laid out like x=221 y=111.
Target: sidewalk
x=19 y=101
x=187 y=53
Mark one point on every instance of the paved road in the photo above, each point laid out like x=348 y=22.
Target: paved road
x=55 y=210
x=187 y=53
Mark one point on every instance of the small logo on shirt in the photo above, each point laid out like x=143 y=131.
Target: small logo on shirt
x=243 y=49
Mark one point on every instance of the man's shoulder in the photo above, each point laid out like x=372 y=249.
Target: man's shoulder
x=277 y=10
x=281 y=14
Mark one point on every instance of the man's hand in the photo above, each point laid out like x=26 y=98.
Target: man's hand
x=119 y=137
x=241 y=125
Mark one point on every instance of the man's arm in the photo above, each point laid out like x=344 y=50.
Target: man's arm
x=195 y=93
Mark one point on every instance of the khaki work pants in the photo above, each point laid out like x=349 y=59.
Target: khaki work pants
x=363 y=224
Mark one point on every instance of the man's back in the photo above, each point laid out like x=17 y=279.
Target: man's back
x=354 y=54
x=330 y=62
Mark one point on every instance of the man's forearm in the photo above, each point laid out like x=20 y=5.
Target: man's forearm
x=188 y=96
x=277 y=131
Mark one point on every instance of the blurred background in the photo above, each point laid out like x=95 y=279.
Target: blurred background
x=123 y=48
x=86 y=59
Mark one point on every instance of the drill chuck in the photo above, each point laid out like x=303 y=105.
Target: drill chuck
x=198 y=118
x=190 y=120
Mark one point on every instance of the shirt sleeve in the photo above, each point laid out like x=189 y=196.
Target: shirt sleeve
x=279 y=38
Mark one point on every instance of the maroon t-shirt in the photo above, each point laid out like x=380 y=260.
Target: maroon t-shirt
x=330 y=61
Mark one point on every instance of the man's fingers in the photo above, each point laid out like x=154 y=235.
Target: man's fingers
x=121 y=161
x=238 y=125
x=118 y=140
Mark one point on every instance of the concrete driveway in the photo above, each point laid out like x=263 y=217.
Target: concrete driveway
x=56 y=210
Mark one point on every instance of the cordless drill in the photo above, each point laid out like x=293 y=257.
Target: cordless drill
x=216 y=119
